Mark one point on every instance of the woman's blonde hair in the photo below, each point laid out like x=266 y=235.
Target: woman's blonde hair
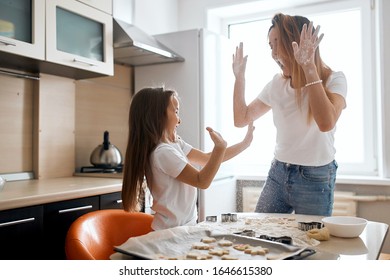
x=289 y=28
x=147 y=122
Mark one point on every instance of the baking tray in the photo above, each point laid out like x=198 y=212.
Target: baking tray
x=176 y=243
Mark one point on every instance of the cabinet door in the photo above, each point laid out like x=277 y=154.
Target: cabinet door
x=22 y=27
x=111 y=201
x=79 y=36
x=58 y=217
x=21 y=233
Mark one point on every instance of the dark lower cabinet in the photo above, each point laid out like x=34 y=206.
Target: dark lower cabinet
x=38 y=232
x=111 y=201
x=21 y=232
x=58 y=217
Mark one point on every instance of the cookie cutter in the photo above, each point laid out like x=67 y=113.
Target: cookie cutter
x=229 y=217
x=211 y=219
x=280 y=239
x=305 y=226
x=247 y=232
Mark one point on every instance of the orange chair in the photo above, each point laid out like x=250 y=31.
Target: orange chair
x=94 y=235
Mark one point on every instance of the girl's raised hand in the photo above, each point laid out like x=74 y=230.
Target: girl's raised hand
x=217 y=138
x=309 y=41
x=249 y=134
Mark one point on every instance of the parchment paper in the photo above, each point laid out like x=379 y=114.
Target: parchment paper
x=176 y=243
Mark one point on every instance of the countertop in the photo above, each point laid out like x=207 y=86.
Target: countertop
x=24 y=193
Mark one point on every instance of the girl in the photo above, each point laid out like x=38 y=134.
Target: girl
x=155 y=151
x=306 y=101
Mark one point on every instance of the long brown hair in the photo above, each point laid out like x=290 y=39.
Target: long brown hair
x=289 y=28
x=147 y=122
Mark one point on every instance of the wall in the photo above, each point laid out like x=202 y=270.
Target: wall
x=153 y=17
x=194 y=13
x=102 y=104
x=53 y=129
x=37 y=126
x=157 y=17
x=16 y=124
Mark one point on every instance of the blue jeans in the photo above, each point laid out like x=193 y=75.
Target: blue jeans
x=303 y=189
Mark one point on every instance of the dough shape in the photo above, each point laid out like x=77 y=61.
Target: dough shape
x=319 y=234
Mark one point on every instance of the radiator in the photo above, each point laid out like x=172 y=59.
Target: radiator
x=249 y=198
x=345 y=203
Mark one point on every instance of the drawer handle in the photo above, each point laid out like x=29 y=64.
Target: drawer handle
x=75 y=209
x=119 y=201
x=17 y=222
x=83 y=62
x=7 y=43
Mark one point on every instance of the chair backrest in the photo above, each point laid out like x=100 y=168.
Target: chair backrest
x=94 y=235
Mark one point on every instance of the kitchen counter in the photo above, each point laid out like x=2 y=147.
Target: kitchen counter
x=24 y=193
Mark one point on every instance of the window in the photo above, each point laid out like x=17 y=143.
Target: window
x=344 y=24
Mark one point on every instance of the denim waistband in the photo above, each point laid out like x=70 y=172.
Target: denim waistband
x=286 y=164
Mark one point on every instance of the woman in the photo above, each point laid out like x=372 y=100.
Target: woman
x=155 y=151
x=306 y=99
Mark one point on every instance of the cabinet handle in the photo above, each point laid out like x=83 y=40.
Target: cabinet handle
x=119 y=201
x=7 y=43
x=16 y=222
x=75 y=209
x=83 y=62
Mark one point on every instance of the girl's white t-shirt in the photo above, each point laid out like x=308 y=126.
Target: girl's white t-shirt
x=174 y=202
x=297 y=141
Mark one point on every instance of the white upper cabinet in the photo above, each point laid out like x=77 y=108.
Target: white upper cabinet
x=69 y=38
x=22 y=28
x=79 y=36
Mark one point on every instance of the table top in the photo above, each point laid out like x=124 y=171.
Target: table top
x=365 y=247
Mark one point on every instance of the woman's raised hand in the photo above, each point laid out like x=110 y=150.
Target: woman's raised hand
x=239 y=61
x=309 y=41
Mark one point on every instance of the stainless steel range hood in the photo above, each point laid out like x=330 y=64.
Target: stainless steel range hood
x=134 y=47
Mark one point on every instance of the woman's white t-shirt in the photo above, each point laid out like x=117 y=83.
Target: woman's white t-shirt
x=173 y=201
x=297 y=141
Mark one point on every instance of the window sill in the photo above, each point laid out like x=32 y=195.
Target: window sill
x=341 y=179
x=362 y=180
